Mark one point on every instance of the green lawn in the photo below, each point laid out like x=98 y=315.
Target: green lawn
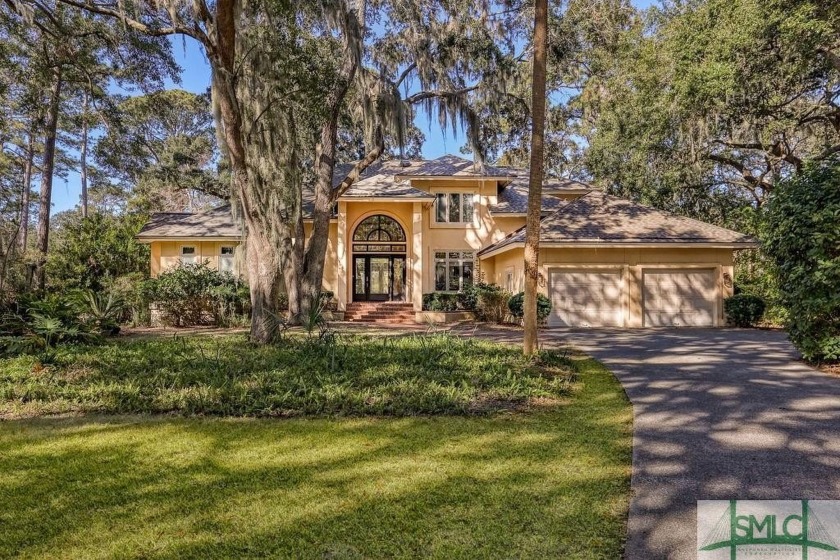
x=549 y=479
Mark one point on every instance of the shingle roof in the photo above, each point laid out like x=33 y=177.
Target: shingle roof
x=513 y=197
x=379 y=181
x=600 y=218
x=217 y=222
x=453 y=166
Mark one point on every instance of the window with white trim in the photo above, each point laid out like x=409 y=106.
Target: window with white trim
x=457 y=208
x=226 y=258
x=453 y=270
x=189 y=254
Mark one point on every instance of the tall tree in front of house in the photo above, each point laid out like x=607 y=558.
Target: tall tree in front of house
x=282 y=76
x=532 y=225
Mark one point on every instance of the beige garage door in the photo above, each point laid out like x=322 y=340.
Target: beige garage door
x=682 y=298
x=585 y=298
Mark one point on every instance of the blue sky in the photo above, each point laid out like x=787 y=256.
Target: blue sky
x=195 y=77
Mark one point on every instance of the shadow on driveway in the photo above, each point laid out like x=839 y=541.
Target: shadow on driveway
x=718 y=414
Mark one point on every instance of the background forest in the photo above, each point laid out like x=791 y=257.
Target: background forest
x=723 y=110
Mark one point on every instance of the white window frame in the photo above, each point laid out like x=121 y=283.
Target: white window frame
x=447 y=260
x=226 y=258
x=446 y=197
x=188 y=259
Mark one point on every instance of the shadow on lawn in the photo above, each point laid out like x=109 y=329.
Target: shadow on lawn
x=549 y=484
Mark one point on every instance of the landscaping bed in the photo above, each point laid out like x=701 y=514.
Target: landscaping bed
x=346 y=375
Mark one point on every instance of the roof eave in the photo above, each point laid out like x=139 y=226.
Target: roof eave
x=456 y=177
x=734 y=245
x=191 y=238
x=386 y=198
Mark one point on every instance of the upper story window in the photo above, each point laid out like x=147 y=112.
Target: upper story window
x=226 y=259
x=188 y=254
x=456 y=208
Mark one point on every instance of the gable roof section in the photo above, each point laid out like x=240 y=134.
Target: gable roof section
x=513 y=197
x=215 y=223
x=380 y=180
x=603 y=219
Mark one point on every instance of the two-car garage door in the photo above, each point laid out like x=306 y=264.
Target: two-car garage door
x=669 y=297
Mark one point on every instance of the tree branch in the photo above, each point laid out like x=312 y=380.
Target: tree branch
x=420 y=96
x=405 y=74
x=135 y=24
x=361 y=165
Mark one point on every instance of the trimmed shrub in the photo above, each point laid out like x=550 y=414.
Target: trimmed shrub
x=440 y=301
x=195 y=294
x=802 y=237
x=516 y=305
x=491 y=303
x=744 y=310
x=468 y=297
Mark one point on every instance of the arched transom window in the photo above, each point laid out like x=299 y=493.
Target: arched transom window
x=379 y=234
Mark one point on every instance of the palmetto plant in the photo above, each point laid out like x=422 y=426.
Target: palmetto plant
x=313 y=318
x=101 y=310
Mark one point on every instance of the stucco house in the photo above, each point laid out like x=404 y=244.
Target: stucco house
x=410 y=228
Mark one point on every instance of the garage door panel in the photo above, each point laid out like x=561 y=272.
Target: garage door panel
x=679 y=298
x=585 y=298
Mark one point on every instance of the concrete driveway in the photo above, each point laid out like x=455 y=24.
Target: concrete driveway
x=718 y=414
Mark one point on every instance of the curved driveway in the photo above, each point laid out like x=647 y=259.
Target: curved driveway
x=718 y=414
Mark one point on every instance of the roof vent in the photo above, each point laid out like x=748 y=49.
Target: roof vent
x=405 y=163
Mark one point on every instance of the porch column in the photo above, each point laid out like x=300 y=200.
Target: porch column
x=341 y=256
x=417 y=257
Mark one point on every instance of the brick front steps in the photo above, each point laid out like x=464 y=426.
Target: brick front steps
x=397 y=312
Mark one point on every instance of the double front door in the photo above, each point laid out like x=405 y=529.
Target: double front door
x=379 y=278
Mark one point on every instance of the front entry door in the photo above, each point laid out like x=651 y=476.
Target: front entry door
x=378 y=278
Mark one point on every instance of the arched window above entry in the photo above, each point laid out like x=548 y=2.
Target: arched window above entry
x=379 y=228
x=379 y=233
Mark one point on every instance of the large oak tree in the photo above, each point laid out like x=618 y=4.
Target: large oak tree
x=284 y=73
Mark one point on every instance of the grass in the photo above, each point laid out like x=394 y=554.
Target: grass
x=353 y=375
x=548 y=481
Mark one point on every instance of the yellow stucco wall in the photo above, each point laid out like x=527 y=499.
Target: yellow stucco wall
x=167 y=254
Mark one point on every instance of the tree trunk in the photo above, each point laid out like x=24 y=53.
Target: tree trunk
x=532 y=227
x=47 y=167
x=264 y=281
x=83 y=157
x=24 y=196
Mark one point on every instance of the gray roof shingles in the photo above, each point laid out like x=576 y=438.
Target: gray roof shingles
x=595 y=217
x=380 y=181
x=513 y=198
x=217 y=222
x=601 y=218
x=453 y=166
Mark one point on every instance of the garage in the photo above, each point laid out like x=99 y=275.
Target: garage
x=679 y=298
x=585 y=298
